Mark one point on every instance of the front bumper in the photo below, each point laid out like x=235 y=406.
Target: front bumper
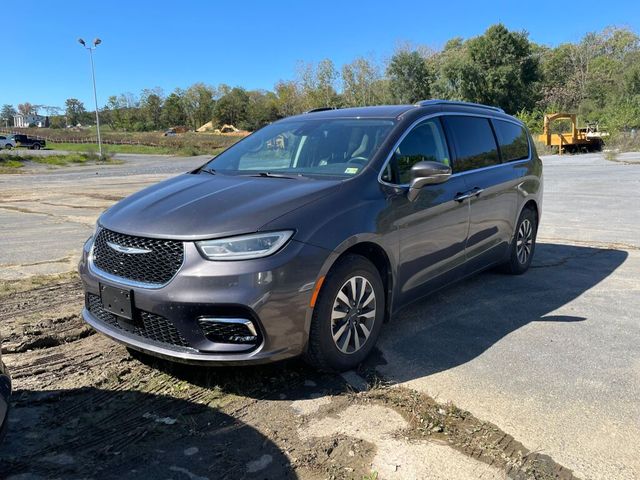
x=274 y=292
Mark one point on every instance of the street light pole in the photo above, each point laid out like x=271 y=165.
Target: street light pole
x=96 y=42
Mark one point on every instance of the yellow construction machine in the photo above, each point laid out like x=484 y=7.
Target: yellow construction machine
x=586 y=139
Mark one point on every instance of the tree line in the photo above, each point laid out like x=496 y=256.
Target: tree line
x=597 y=77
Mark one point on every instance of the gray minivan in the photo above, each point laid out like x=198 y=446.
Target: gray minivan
x=306 y=236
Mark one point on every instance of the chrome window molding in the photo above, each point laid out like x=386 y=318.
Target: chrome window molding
x=457 y=114
x=128 y=282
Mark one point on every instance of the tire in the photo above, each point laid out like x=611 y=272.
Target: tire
x=36 y=146
x=365 y=314
x=8 y=146
x=525 y=234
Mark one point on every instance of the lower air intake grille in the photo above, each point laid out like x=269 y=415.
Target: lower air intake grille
x=148 y=325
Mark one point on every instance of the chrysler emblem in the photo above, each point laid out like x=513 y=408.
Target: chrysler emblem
x=129 y=250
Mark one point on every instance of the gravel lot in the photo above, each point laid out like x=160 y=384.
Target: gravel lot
x=548 y=362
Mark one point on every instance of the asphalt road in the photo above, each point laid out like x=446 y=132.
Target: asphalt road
x=47 y=214
x=551 y=357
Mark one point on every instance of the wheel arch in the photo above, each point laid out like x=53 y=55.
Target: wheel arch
x=532 y=205
x=376 y=254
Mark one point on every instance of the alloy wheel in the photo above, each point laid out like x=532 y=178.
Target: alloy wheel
x=353 y=314
x=524 y=241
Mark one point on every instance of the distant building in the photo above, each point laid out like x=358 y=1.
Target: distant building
x=22 y=121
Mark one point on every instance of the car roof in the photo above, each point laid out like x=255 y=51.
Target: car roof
x=378 y=111
x=397 y=111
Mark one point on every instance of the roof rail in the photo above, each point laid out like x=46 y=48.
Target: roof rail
x=321 y=109
x=427 y=103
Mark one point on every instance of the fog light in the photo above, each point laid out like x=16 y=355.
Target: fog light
x=229 y=330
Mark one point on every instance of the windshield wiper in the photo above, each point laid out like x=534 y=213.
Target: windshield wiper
x=270 y=175
x=208 y=170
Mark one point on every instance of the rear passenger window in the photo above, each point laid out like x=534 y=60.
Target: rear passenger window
x=424 y=143
x=475 y=144
x=513 y=140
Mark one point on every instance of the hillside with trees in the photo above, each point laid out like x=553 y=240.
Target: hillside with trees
x=597 y=77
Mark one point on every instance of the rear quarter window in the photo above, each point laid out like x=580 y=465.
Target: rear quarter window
x=513 y=141
x=474 y=142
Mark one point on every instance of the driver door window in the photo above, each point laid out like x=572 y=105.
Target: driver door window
x=426 y=142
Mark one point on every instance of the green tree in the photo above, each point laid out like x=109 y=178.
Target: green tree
x=409 y=77
x=496 y=68
x=503 y=70
x=262 y=109
x=233 y=107
x=151 y=107
x=318 y=84
x=6 y=115
x=289 y=98
x=74 y=111
x=173 y=113
x=198 y=104
x=359 y=80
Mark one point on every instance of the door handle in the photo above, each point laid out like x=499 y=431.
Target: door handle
x=460 y=197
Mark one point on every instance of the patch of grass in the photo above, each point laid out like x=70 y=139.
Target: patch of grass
x=623 y=142
x=91 y=147
x=184 y=150
x=543 y=149
x=10 y=163
x=76 y=158
x=11 y=287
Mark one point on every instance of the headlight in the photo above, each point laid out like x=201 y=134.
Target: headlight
x=244 y=247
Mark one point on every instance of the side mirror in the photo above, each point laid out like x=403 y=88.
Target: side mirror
x=427 y=173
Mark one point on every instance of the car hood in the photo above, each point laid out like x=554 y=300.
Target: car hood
x=199 y=206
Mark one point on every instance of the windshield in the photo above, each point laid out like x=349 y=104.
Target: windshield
x=338 y=147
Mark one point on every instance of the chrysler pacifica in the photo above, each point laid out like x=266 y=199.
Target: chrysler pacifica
x=306 y=236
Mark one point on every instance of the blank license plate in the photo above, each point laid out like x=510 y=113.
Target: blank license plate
x=117 y=301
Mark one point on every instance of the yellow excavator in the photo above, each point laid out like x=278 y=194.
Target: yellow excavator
x=586 y=139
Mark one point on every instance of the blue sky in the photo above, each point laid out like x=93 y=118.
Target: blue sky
x=253 y=44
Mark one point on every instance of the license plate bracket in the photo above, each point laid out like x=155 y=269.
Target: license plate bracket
x=117 y=301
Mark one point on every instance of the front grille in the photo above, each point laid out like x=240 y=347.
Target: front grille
x=221 y=332
x=147 y=325
x=158 y=266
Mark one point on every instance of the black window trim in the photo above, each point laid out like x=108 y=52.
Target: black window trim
x=444 y=114
x=411 y=128
x=495 y=140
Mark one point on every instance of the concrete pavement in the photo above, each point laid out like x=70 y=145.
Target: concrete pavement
x=551 y=357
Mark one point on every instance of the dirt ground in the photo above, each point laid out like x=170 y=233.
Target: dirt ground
x=85 y=407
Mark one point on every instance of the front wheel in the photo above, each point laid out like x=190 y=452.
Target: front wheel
x=348 y=315
x=523 y=244
x=8 y=146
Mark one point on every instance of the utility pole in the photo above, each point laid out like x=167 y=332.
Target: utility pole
x=96 y=42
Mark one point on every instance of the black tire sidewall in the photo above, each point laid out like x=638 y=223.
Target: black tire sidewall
x=327 y=354
x=516 y=266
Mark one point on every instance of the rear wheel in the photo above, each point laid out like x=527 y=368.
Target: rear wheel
x=8 y=146
x=523 y=244
x=348 y=315
x=36 y=146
